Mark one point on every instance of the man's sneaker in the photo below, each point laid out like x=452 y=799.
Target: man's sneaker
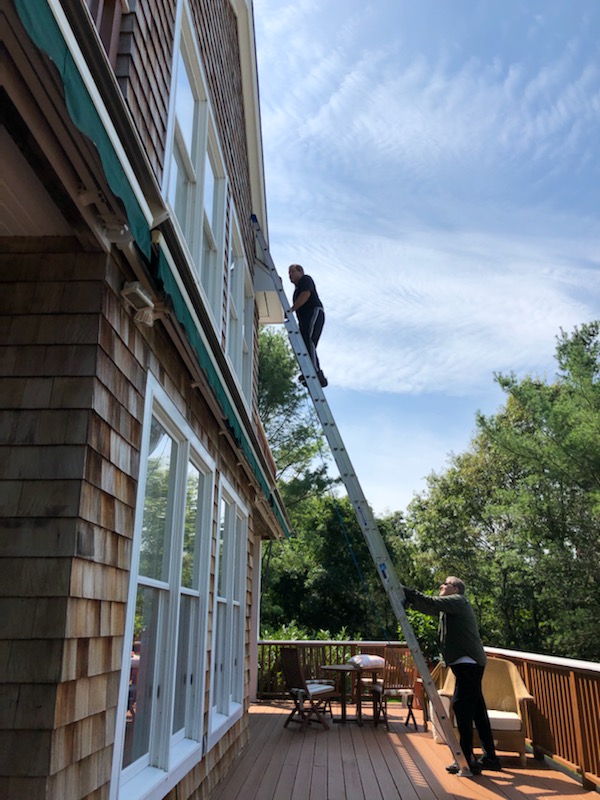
x=322 y=379
x=302 y=380
x=474 y=769
x=485 y=762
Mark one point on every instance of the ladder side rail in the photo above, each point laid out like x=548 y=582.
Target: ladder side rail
x=368 y=525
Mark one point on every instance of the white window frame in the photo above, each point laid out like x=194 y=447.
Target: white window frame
x=202 y=230
x=171 y=755
x=240 y=313
x=229 y=616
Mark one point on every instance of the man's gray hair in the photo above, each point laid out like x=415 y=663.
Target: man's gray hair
x=460 y=585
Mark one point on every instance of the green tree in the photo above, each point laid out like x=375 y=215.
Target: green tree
x=517 y=515
x=292 y=428
x=326 y=577
x=556 y=440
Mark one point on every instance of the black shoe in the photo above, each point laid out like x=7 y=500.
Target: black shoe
x=485 y=762
x=474 y=767
x=322 y=379
x=302 y=380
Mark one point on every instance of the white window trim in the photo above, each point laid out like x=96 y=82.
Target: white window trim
x=152 y=783
x=237 y=370
x=219 y=723
x=208 y=142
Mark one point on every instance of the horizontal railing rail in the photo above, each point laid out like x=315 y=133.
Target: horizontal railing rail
x=563 y=722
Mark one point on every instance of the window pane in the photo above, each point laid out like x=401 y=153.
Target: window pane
x=221 y=701
x=185 y=105
x=224 y=525
x=235 y=689
x=238 y=583
x=209 y=265
x=184 y=677
x=142 y=676
x=209 y=191
x=189 y=569
x=178 y=187
x=154 y=556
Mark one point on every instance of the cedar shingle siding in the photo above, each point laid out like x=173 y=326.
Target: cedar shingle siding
x=75 y=367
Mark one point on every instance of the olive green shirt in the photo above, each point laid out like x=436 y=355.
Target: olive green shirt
x=458 y=632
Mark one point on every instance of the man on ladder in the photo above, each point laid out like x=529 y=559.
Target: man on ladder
x=311 y=316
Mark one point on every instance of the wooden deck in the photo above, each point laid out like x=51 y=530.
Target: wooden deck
x=349 y=762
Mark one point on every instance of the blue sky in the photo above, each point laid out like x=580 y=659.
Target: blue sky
x=435 y=166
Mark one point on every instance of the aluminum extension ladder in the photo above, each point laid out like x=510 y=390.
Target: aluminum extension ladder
x=365 y=517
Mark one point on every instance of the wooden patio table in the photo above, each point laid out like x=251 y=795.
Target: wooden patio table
x=343 y=670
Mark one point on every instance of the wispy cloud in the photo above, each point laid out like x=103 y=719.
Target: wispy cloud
x=437 y=172
x=443 y=313
x=367 y=106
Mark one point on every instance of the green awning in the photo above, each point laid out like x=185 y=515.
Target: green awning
x=43 y=29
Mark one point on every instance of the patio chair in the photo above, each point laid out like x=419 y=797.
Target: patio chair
x=311 y=700
x=506 y=698
x=397 y=682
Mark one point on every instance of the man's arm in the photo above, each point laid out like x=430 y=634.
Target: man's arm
x=300 y=300
x=433 y=605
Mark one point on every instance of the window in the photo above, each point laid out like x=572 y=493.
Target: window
x=162 y=689
x=195 y=177
x=228 y=639
x=240 y=317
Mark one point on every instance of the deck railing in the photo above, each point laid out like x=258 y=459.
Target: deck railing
x=563 y=722
x=313 y=655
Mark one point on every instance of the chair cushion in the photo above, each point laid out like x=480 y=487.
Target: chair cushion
x=365 y=660
x=319 y=688
x=504 y=720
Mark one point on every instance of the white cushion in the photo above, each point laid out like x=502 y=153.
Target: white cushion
x=504 y=720
x=319 y=688
x=499 y=720
x=365 y=660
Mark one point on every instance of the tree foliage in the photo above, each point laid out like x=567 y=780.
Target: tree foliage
x=290 y=423
x=517 y=516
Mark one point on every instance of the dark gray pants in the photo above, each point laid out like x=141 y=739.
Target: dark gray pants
x=311 y=330
x=469 y=706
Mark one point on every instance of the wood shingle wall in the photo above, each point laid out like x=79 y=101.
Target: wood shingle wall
x=74 y=370
x=73 y=389
x=143 y=69
x=71 y=431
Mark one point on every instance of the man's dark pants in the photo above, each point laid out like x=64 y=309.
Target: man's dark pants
x=311 y=329
x=469 y=706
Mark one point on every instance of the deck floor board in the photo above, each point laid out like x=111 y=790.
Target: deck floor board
x=351 y=762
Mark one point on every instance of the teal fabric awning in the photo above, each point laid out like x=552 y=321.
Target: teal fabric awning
x=43 y=29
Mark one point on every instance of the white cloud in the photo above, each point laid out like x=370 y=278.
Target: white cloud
x=438 y=176
x=442 y=313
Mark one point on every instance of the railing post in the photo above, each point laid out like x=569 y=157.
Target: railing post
x=577 y=716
